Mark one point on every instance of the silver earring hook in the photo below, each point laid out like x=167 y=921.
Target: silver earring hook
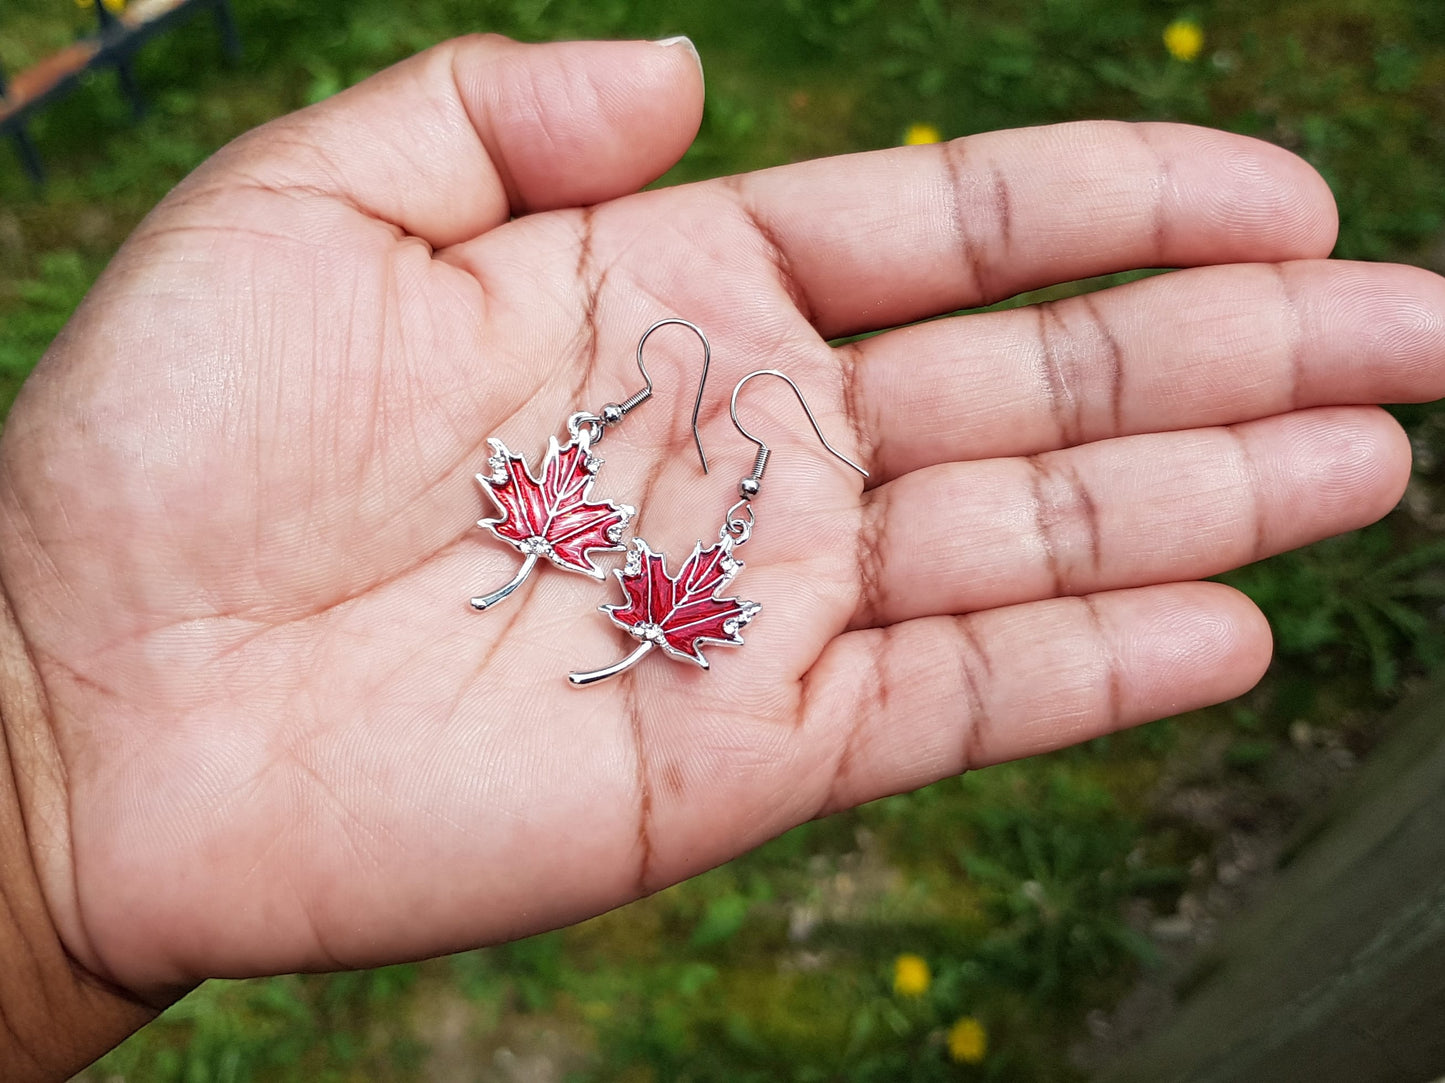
x=749 y=486
x=615 y=412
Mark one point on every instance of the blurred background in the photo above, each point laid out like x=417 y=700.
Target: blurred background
x=1026 y=922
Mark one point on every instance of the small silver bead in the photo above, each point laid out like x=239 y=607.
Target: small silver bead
x=749 y=488
x=611 y=414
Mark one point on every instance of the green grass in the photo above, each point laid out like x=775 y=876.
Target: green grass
x=1014 y=882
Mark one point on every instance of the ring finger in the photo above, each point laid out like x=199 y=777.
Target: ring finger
x=1128 y=512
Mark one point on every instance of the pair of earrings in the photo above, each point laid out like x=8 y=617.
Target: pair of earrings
x=552 y=516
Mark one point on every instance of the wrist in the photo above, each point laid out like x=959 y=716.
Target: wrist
x=57 y=1016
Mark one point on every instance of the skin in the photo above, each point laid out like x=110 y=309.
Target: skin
x=253 y=725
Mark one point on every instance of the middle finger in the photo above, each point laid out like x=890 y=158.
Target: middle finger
x=1206 y=346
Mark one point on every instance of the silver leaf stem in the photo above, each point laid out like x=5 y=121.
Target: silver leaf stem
x=486 y=601
x=582 y=680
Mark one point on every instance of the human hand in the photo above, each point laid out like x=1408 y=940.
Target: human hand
x=257 y=727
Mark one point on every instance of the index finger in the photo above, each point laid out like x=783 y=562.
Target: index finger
x=873 y=240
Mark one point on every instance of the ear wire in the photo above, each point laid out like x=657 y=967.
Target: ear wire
x=614 y=412
x=749 y=486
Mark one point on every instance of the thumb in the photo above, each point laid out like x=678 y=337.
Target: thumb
x=457 y=139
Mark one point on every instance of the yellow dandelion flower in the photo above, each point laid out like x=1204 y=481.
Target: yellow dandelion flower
x=1184 y=39
x=918 y=134
x=115 y=7
x=911 y=976
x=967 y=1041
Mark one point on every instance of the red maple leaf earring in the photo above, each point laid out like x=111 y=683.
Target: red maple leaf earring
x=679 y=613
x=553 y=515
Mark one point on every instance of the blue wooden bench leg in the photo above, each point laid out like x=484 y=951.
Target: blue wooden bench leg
x=226 y=27
x=112 y=28
x=130 y=89
x=29 y=156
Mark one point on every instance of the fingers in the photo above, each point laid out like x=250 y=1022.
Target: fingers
x=911 y=703
x=868 y=241
x=1145 y=509
x=453 y=141
x=1206 y=346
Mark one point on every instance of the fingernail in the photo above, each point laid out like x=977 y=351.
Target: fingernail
x=686 y=43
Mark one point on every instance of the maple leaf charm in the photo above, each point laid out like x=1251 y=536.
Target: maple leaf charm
x=550 y=516
x=676 y=613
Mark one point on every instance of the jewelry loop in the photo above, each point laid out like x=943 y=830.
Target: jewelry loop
x=593 y=424
x=735 y=526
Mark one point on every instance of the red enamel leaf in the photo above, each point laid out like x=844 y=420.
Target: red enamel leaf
x=552 y=516
x=681 y=612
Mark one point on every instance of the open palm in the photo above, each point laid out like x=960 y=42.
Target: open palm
x=240 y=510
